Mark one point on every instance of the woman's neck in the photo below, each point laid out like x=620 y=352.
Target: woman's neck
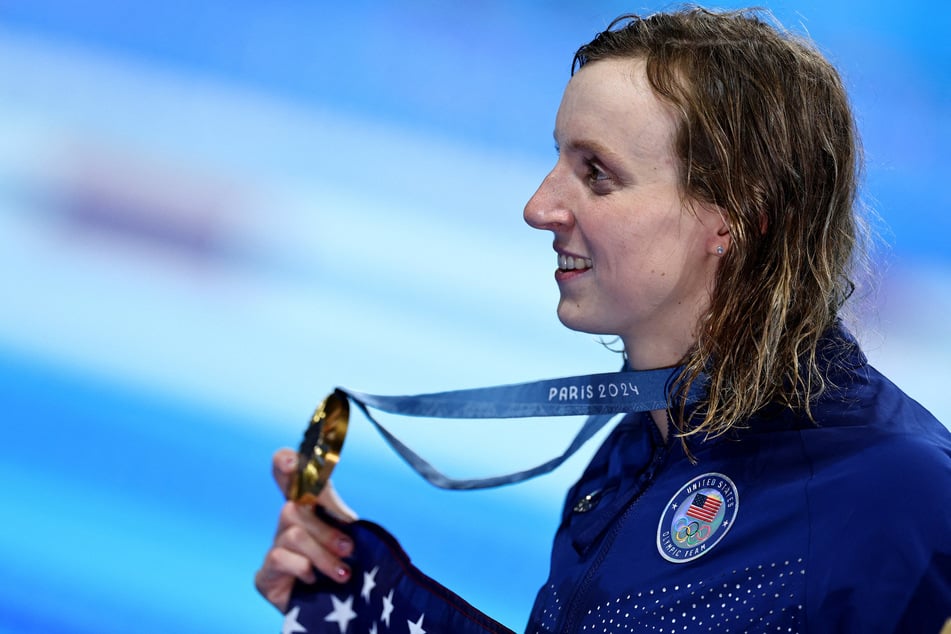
x=659 y=416
x=654 y=353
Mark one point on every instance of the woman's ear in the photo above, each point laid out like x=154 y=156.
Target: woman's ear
x=717 y=227
x=723 y=239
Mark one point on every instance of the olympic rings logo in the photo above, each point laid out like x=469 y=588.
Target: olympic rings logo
x=690 y=532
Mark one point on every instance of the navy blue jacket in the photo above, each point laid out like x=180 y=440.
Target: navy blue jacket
x=842 y=525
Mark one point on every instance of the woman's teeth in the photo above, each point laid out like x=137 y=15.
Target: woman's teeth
x=571 y=263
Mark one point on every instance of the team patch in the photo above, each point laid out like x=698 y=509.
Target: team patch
x=698 y=516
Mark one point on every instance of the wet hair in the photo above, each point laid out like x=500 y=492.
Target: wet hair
x=766 y=134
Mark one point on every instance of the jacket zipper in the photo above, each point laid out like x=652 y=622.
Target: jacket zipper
x=573 y=606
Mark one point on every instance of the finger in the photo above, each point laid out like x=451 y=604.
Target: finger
x=322 y=545
x=301 y=530
x=275 y=579
x=331 y=501
x=284 y=468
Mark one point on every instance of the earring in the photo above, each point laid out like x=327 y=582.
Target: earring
x=719 y=249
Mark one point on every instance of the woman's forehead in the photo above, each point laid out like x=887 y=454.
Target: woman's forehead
x=611 y=103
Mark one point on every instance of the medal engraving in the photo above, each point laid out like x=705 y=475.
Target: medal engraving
x=320 y=449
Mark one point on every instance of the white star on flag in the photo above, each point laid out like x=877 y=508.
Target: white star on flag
x=417 y=627
x=291 y=625
x=373 y=628
x=342 y=613
x=369 y=582
x=387 y=608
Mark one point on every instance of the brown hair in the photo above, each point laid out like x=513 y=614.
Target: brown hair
x=766 y=133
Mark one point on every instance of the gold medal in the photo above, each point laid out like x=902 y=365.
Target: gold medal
x=320 y=449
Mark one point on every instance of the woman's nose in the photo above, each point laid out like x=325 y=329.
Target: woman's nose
x=547 y=209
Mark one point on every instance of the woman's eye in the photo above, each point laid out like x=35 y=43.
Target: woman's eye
x=595 y=173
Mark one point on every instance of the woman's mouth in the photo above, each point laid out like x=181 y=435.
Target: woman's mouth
x=573 y=263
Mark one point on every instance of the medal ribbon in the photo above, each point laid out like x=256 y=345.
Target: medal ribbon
x=600 y=396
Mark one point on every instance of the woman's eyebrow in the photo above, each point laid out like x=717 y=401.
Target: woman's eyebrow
x=589 y=146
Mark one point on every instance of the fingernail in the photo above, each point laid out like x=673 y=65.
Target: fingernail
x=290 y=462
x=342 y=573
x=344 y=547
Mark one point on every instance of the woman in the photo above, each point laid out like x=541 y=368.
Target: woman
x=703 y=207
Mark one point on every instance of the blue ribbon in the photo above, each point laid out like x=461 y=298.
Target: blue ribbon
x=600 y=396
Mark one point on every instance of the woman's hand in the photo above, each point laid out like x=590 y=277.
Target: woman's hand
x=303 y=542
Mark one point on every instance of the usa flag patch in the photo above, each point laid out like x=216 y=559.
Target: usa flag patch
x=697 y=517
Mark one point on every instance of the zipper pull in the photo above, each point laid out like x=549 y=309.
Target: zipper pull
x=587 y=502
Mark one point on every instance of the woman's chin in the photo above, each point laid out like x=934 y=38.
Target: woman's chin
x=574 y=319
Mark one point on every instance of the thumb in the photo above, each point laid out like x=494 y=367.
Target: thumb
x=329 y=499
x=284 y=468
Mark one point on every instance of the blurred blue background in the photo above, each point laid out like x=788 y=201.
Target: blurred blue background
x=212 y=213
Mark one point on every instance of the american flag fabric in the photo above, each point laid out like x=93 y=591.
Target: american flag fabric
x=704 y=507
x=386 y=594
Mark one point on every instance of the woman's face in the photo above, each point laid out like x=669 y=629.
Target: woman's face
x=635 y=259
